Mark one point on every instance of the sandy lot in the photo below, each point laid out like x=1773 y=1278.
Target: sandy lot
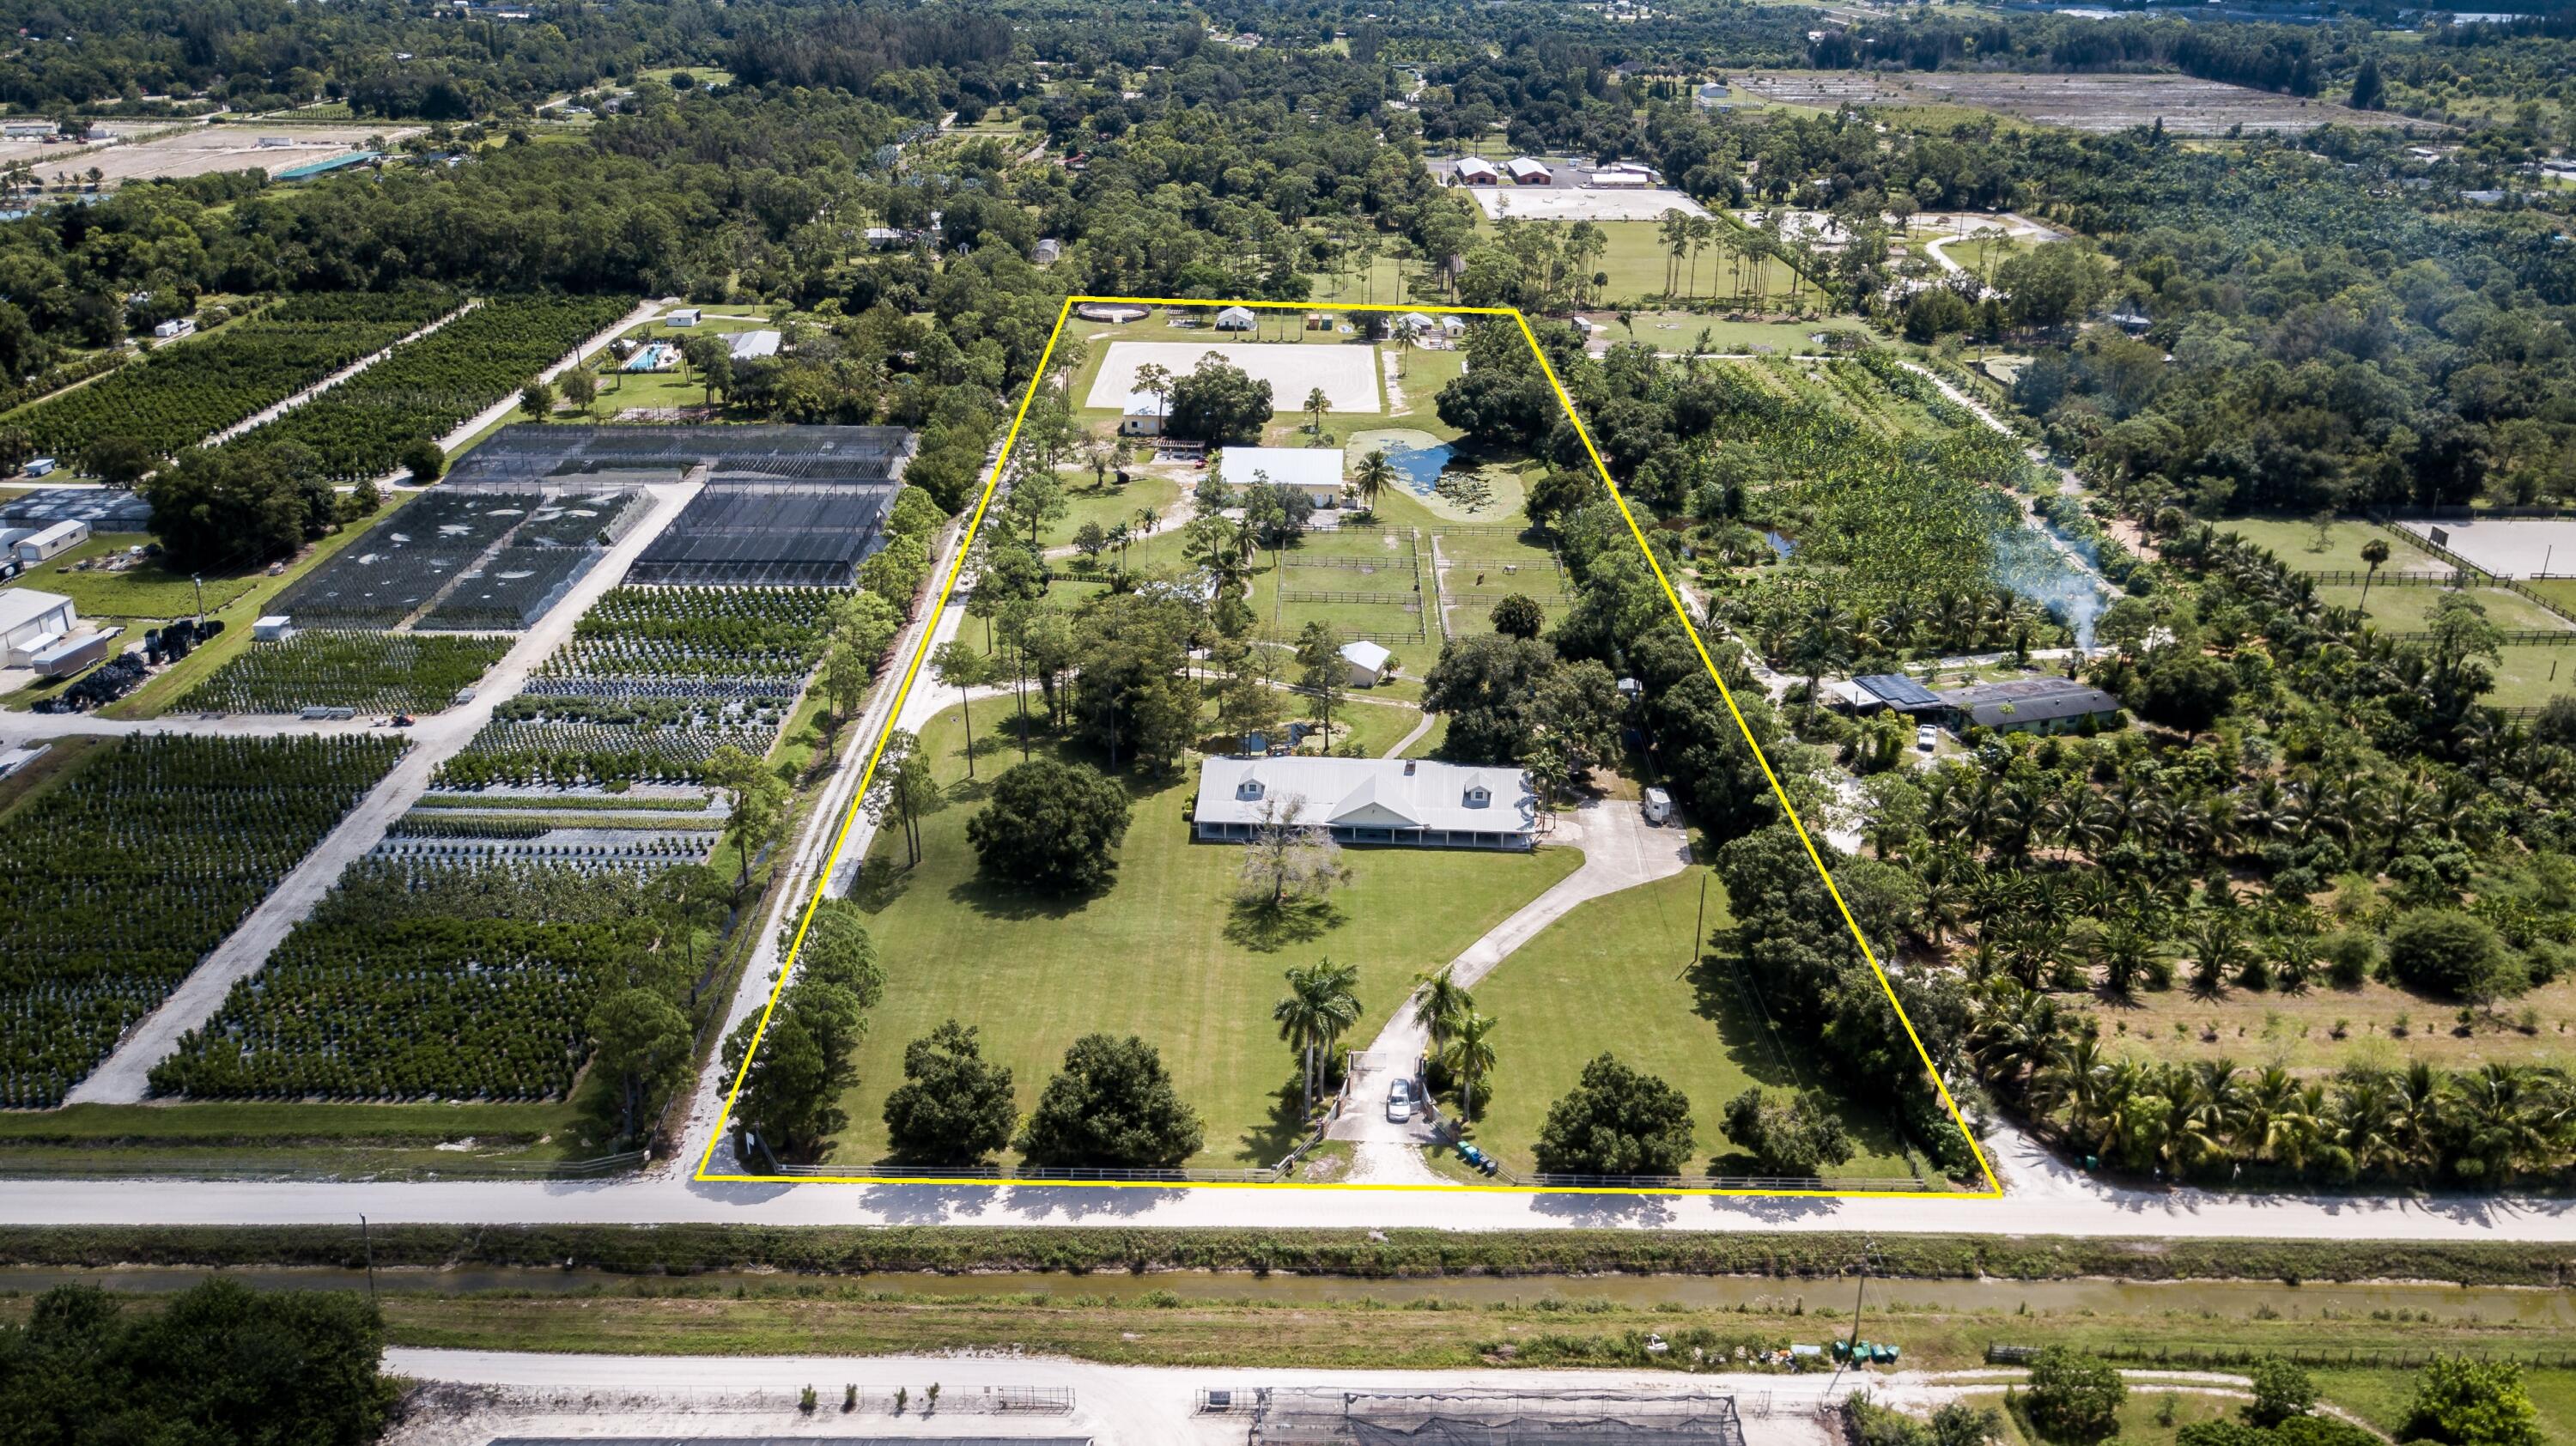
x=209 y=149
x=1348 y=374
x=1581 y=203
x=2510 y=546
x=2082 y=102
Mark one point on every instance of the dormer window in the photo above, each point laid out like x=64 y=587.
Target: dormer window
x=1478 y=797
x=1249 y=788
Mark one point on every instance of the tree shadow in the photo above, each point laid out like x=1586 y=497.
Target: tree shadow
x=878 y=882
x=1719 y=997
x=994 y=901
x=1264 y=928
x=1279 y=1131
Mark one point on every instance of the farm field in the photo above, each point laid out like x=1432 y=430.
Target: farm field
x=1161 y=954
x=2102 y=102
x=451 y=1139
x=370 y=671
x=653 y=681
x=163 y=844
x=179 y=395
x=417 y=982
x=429 y=386
x=2325 y=1028
x=1615 y=975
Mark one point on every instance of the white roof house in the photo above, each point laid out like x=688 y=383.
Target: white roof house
x=1368 y=662
x=747 y=345
x=1530 y=171
x=1237 y=318
x=1315 y=471
x=1419 y=803
x=1476 y=171
x=1415 y=322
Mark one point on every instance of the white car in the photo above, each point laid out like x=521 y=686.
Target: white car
x=1925 y=736
x=1399 y=1101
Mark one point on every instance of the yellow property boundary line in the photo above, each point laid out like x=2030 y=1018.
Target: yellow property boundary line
x=912 y=670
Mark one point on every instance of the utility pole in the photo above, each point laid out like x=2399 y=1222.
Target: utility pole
x=1868 y=1256
x=200 y=580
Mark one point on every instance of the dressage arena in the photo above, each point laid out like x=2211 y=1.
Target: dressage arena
x=1580 y=203
x=1346 y=371
x=2516 y=547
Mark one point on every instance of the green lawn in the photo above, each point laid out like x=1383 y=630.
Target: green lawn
x=1637 y=265
x=1112 y=504
x=144 y=591
x=1161 y=954
x=2561 y=591
x=2533 y=673
x=1614 y=975
x=2294 y=541
x=2408 y=609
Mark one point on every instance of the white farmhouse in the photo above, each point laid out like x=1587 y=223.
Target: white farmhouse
x=1315 y=471
x=1411 y=802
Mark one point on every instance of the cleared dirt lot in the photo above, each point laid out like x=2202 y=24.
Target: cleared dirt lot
x=2081 y=102
x=2509 y=546
x=1348 y=374
x=209 y=149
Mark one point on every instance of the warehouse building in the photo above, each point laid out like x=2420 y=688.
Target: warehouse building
x=2029 y=705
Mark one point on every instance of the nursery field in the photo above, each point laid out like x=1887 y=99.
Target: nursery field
x=161 y=845
x=419 y=982
x=404 y=560
x=372 y=672
x=652 y=682
x=427 y=387
x=181 y=394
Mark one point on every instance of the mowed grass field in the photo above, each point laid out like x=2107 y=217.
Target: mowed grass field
x=1161 y=953
x=146 y=590
x=2410 y=609
x=1638 y=265
x=1089 y=500
x=1615 y=975
x=2295 y=541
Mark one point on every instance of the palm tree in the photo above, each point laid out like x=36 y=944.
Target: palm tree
x=1470 y=1058
x=1373 y=476
x=2373 y=552
x=1439 y=1003
x=1316 y=405
x=1319 y=1006
x=1673 y=230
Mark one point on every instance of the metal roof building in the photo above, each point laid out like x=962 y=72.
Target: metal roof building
x=2047 y=704
x=1897 y=691
x=1414 y=802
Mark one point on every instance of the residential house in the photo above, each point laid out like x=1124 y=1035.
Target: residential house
x=1315 y=471
x=1406 y=802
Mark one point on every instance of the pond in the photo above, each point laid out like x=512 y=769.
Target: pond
x=1420 y=467
x=1781 y=542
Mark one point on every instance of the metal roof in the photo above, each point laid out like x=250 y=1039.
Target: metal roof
x=2028 y=700
x=1898 y=691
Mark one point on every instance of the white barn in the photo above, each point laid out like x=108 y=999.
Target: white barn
x=1369 y=663
x=1315 y=471
x=1414 y=803
x=31 y=622
x=1476 y=171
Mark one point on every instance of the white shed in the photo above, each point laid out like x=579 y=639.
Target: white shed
x=1237 y=318
x=1369 y=663
x=175 y=328
x=685 y=316
x=53 y=541
x=273 y=628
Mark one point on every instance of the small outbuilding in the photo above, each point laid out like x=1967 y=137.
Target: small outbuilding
x=1237 y=318
x=1476 y=171
x=1530 y=171
x=52 y=542
x=274 y=628
x=1142 y=416
x=1370 y=663
x=685 y=316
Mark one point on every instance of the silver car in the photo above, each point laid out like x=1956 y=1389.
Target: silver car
x=1399 y=1101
